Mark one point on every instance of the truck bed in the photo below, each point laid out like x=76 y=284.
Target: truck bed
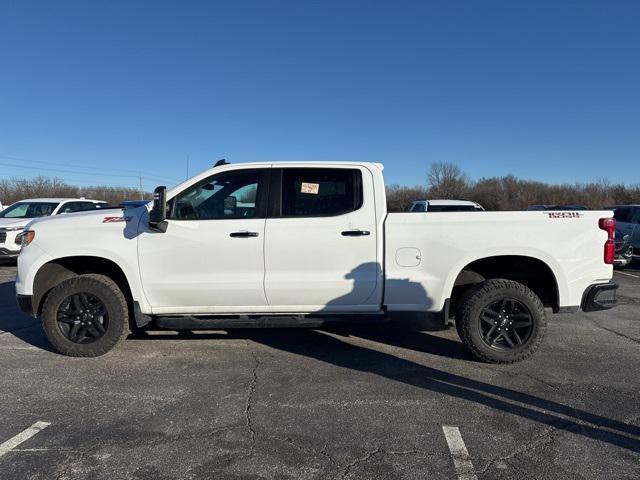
x=425 y=252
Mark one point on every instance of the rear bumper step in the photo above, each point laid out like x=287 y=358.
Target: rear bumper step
x=601 y=296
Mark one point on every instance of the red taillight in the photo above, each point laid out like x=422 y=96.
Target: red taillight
x=609 y=226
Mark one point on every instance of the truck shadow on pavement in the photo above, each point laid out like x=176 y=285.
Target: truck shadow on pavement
x=330 y=345
x=325 y=345
x=329 y=349
x=16 y=323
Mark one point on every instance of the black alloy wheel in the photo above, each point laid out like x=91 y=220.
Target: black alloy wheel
x=82 y=318
x=85 y=315
x=506 y=324
x=501 y=321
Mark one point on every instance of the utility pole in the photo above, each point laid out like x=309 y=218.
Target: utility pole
x=141 y=188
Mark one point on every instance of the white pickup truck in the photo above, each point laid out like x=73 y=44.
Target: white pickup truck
x=272 y=244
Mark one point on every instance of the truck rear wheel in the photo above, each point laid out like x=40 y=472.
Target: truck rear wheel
x=85 y=316
x=501 y=321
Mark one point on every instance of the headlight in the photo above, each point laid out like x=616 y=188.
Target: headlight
x=25 y=238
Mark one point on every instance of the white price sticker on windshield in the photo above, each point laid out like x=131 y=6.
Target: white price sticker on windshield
x=312 y=188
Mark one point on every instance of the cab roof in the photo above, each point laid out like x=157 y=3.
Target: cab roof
x=285 y=163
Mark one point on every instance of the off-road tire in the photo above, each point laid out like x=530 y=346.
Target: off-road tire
x=109 y=293
x=484 y=294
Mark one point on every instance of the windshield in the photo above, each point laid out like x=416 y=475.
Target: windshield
x=29 y=210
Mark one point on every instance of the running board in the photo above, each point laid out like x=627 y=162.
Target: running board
x=243 y=321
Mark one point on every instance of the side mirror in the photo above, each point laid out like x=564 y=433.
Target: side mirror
x=158 y=214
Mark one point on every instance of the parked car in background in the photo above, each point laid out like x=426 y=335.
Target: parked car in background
x=628 y=223
x=624 y=250
x=14 y=218
x=557 y=207
x=445 y=206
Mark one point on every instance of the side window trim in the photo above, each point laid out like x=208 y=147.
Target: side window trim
x=262 y=197
x=358 y=190
x=275 y=194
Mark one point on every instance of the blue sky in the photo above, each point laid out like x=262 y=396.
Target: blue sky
x=544 y=90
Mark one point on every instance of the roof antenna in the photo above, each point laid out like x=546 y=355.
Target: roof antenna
x=221 y=162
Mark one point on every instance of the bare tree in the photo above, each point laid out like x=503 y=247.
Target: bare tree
x=446 y=180
x=14 y=189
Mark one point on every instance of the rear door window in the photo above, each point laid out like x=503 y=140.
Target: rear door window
x=320 y=192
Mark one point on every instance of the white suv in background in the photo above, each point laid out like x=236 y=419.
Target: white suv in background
x=15 y=217
x=445 y=206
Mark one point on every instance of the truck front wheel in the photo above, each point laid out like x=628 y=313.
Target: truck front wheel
x=85 y=316
x=501 y=321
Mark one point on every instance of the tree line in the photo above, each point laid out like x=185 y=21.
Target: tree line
x=448 y=181
x=14 y=189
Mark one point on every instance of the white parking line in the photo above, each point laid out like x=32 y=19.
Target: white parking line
x=628 y=274
x=22 y=436
x=459 y=453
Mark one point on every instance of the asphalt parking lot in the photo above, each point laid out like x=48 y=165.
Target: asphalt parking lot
x=358 y=402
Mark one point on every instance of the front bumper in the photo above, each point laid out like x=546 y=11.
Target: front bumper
x=600 y=296
x=6 y=253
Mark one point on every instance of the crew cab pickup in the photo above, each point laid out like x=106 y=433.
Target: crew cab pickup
x=272 y=244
